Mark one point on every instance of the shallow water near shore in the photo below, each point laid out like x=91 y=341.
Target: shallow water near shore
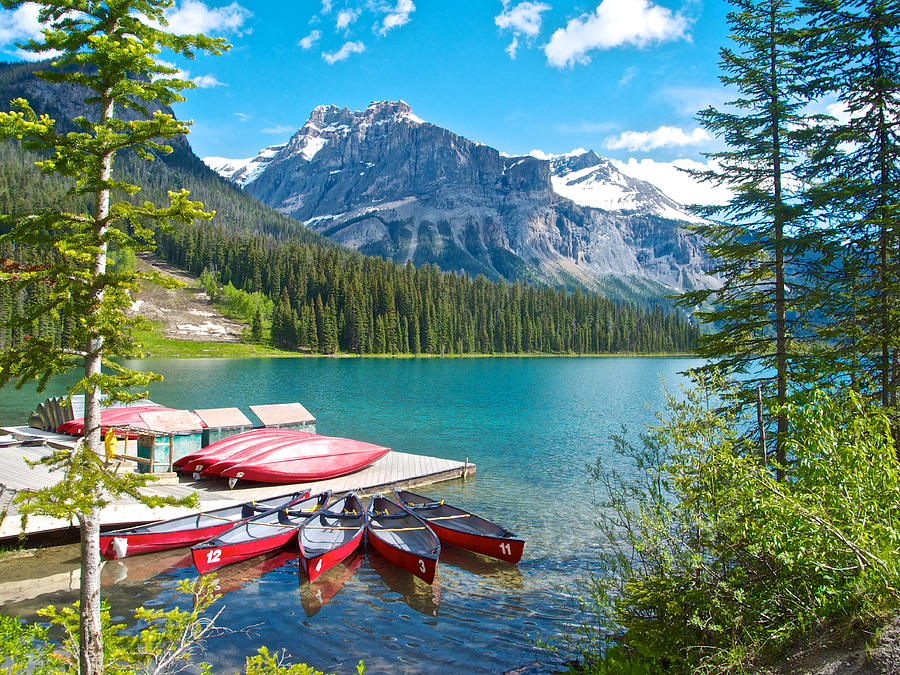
x=530 y=424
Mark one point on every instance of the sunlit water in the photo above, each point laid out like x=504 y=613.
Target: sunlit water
x=530 y=424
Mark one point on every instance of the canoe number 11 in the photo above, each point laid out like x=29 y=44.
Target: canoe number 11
x=214 y=555
x=505 y=548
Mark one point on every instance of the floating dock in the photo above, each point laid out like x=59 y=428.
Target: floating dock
x=401 y=469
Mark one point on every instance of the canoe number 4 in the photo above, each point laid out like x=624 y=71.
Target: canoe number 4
x=505 y=548
x=319 y=565
x=422 y=565
x=214 y=556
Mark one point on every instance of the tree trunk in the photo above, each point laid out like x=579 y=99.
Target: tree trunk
x=91 y=635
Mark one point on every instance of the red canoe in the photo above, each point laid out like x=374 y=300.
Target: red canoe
x=186 y=530
x=262 y=534
x=231 y=446
x=112 y=417
x=454 y=526
x=306 y=460
x=402 y=537
x=331 y=535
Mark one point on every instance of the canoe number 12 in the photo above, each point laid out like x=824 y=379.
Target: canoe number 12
x=214 y=555
x=505 y=548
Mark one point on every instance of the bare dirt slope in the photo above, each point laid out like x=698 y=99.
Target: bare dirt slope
x=184 y=313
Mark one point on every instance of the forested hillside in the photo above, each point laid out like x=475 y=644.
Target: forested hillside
x=326 y=298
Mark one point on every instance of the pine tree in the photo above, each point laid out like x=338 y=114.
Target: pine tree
x=109 y=49
x=756 y=234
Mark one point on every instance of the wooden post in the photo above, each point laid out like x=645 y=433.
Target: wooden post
x=466 y=469
x=171 y=452
x=762 y=428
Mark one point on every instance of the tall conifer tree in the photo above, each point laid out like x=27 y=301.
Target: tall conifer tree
x=108 y=48
x=757 y=233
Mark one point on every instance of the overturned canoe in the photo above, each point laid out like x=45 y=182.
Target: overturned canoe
x=113 y=418
x=186 y=530
x=402 y=538
x=247 y=442
x=460 y=528
x=306 y=459
x=331 y=535
x=266 y=532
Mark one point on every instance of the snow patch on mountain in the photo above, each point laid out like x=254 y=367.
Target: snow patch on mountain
x=243 y=171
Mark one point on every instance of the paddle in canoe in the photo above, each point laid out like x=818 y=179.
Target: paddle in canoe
x=266 y=532
x=331 y=535
x=186 y=530
x=460 y=528
x=402 y=538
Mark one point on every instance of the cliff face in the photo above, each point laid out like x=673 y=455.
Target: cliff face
x=385 y=182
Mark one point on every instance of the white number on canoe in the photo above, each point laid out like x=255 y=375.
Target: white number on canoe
x=214 y=556
x=505 y=548
x=319 y=565
x=422 y=565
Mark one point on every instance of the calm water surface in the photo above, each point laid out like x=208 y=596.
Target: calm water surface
x=530 y=424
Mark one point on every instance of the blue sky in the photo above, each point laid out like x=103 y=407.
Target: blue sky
x=622 y=77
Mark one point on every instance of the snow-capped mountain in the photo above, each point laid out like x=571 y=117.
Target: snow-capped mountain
x=591 y=180
x=243 y=171
x=387 y=183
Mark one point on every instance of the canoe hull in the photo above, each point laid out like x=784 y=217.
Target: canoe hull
x=304 y=469
x=508 y=549
x=207 y=559
x=185 y=530
x=402 y=538
x=316 y=566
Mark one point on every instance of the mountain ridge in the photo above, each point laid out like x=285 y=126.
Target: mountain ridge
x=385 y=182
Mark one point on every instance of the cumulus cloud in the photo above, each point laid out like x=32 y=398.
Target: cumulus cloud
x=346 y=17
x=397 y=15
x=671 y=179
x=310 y=39
x=614 y=23
x=200 y=81
x=206 y=82
x=662 y=137
x=20 y=25
x=326 y=6
x=344 y=52
x=523 y=19
x=193 y=16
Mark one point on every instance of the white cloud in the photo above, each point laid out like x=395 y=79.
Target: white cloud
x=397 y=15
x=310 y=39
x=662 y=137
x=614 y=23
x=523 y=19
x=193 y=16
x=344 y=52
x=20 y=25
x=326 y=6
x=346 y=17
x=677 y=184
x=206 y=82
x=243 y=117
x=280 y=129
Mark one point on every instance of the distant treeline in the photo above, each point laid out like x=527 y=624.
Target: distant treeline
x=328 y=299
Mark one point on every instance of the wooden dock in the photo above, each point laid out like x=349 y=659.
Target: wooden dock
x=401 y=469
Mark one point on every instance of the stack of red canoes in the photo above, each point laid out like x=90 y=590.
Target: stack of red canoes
x=112 y=418
x=280 y=456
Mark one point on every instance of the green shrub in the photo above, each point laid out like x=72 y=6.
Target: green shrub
x=711 y=563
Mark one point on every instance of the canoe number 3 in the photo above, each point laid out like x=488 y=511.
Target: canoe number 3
x=422 y=565
x=505 y=548
x=214 y=556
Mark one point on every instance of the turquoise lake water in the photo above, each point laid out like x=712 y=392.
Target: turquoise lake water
x=530 y=424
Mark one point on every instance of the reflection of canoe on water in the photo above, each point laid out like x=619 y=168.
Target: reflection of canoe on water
x=140 y=568
x=235 y=577
x=415 y=593
x=264 y=533
x=186 y=530
x=463 y=529
x=402 y=537
x=499 y=572
x=331 y=535
x=316 y=594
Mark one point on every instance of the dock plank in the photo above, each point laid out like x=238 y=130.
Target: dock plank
x=395 y=468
